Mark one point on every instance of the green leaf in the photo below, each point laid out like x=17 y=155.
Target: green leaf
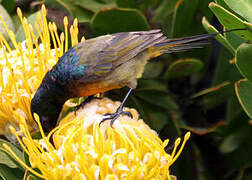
x=243 y=89
x=107 y=1
x=210 y=29
x=164 y=10
x=241 y=7
x=20 y=35
x=158 y=98
x=9 y=5
x=233 y=109
x=238 y=122
x=183 y=17
x=225 y=71
x=234 y=39
x=8 y=21
x=157 y=117
x=76 y=11
x=118 y=20
x=243 y=60
x=224 y=5
x=135 y=3
x=151 y=84
x=7 y=173
x=81 y=14
x=203 y=130
x=183 y=67
x=153 y=69
x=230 y=21
x=6 y=158
x=230 y=143
x=241 y=157
x=92 y=5
x=230 y=40
x=211 y=90
x=216 y=95
x=204 y=9
x=248 y=25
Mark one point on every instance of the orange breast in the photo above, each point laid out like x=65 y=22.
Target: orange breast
x=94 y=88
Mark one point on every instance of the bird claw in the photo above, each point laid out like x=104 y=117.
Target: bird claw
x=127 y=113
x=114 y=116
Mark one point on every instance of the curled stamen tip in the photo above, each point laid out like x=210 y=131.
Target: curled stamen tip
x=36 y=117
x=6 y=146
x=75 y=22
x=54 y=27
x=50 y=26
x=177 y=142
x=166 y=142
x=12 y=129
x=43 y=9
x=187 y=135
x=19 y=12
x=83 y=39
x=65 y=21
x=71 y=29
x=62 y=37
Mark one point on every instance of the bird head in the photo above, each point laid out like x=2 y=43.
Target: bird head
x=47 y=108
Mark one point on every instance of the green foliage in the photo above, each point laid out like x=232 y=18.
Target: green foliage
x=5 y=156
x=136 y=4
x=222 y=39
x=203 y=90
x=76 y=11
x=9 y=5
x=243 y=60
x=10 y=173
x=233 y=41
x=8 y=21
x=230 y=21
x=124 y=19
x=235 y=15
x=243 y=90
x=242 y=7
x=183 y=67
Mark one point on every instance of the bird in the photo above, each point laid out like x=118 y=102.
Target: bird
x=101 y=64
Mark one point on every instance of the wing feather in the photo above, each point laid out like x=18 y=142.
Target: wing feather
x=105 y=53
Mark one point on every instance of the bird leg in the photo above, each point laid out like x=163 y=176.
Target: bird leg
x=86 y=101
x=113 y=116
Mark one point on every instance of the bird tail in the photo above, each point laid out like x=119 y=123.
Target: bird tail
x=183 y=44
x=180 y=44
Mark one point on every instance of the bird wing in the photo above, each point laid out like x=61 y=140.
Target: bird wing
x=103 y=54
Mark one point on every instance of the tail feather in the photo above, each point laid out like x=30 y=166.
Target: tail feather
x=181 y=44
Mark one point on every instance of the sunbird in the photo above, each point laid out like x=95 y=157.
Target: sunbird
x=101 y=64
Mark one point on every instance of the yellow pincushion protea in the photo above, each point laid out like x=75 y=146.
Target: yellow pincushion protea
x=83 y=150
x=23 y=67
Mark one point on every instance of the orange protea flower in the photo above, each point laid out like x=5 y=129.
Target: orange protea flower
x=23 y=67
x=83 y=150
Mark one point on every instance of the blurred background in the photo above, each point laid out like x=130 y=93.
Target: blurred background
x=206 y=91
